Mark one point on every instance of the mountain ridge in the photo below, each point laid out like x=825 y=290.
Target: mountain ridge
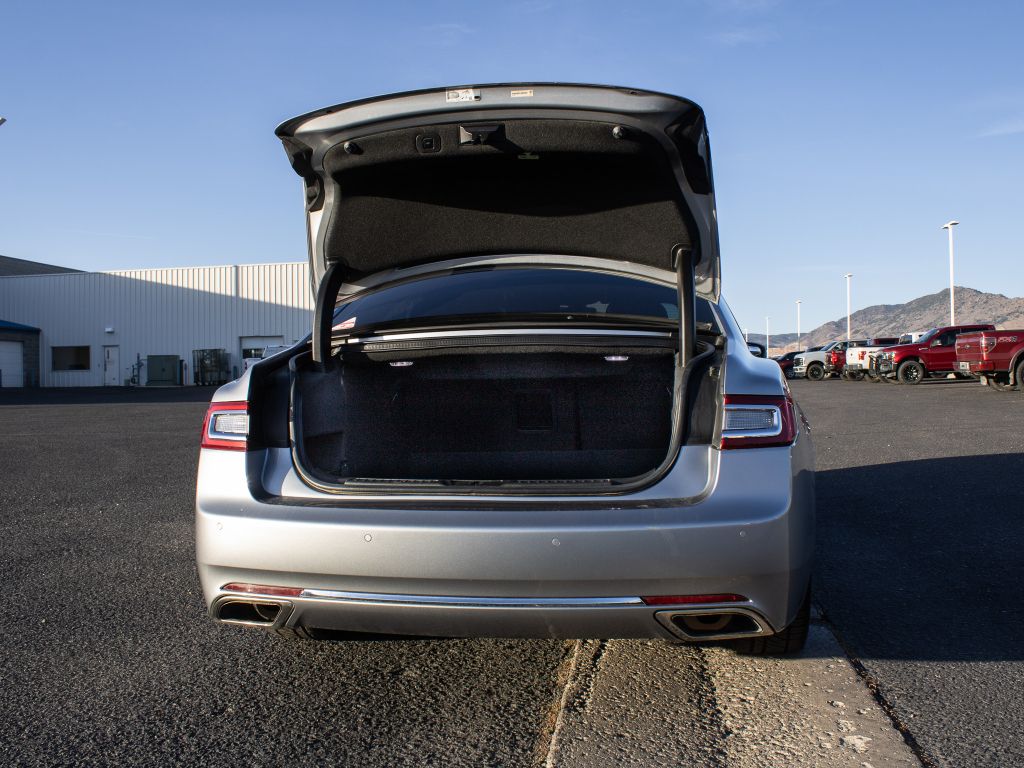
x=920 y=314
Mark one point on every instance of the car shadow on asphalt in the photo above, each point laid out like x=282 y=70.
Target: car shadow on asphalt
x=922 y=560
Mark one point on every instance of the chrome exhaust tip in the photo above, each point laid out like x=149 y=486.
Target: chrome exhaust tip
x=705 y=624
x=251 y=612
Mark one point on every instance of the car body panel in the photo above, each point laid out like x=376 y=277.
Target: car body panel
x=753 y=538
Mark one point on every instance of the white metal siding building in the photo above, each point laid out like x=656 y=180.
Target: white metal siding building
x=94 y=326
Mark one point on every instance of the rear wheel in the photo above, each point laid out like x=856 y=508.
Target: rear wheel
x=815 y=371
x=910 y=372
x=1019 y=376
x=789 y=640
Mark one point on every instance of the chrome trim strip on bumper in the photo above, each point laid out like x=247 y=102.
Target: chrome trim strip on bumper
x=504 y=602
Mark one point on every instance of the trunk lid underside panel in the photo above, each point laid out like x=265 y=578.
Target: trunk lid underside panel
x=576 y=170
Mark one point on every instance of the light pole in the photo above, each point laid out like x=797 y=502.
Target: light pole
x=952 y=307
x=767 y=338
x=798 y=302
x=848 y=275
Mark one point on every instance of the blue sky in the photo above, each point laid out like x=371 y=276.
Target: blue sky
x=844 y=134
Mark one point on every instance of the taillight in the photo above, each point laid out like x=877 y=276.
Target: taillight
x=226 y=427
x=988 y=343
x=861 y=355
x=758 y=421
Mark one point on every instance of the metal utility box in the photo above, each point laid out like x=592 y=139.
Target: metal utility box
x=163 y=371
x=210 y=367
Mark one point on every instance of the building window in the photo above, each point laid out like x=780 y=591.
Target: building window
x=70 y=358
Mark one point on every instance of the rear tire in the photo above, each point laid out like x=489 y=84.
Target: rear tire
x=910 y=372
x=815 y=371
x=792 y=639
x=1019 y=376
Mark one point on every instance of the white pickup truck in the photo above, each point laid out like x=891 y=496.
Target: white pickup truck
x=857 y=357
x=813 y=364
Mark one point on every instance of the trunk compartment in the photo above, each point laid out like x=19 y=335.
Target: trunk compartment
x=484 y=416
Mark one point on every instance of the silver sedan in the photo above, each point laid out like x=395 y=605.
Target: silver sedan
x=524 y=409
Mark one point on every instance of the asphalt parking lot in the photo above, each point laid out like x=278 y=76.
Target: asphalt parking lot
x=107 y=657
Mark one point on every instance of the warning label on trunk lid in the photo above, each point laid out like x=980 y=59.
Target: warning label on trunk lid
x=462 y=94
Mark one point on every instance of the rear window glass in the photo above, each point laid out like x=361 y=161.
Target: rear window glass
x=518 y=292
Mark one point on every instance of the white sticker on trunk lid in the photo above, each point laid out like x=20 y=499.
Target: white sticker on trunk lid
x=521 y=93
x=462 y=94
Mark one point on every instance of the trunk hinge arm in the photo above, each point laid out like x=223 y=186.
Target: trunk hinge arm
x=683 y=265
x=323 y=316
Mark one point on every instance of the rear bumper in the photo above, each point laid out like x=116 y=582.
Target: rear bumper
x=404 y=615
x=976 y=366
x=514 y=569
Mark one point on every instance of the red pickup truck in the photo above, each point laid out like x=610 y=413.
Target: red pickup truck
x=994 y=356
x=933 y=353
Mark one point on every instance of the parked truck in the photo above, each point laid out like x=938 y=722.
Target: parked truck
x=856 y=364
x=816 y=365
x=933 y=354
x=995 y=357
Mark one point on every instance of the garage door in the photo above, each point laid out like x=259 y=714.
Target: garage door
x=12 y=369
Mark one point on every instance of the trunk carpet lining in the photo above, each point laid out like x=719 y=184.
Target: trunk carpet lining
x=480 y=418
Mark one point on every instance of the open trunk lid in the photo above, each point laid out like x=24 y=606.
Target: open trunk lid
x=568 y=170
